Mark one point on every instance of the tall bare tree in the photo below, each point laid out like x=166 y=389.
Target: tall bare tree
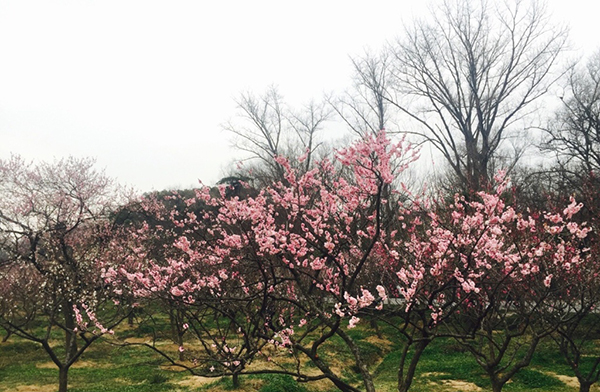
x=262 y=129
x=470 y=77
x=364 y=108
x=306 y=123
x=574 y=135
x=267 y=128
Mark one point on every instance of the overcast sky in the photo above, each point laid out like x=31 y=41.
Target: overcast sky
x=144 y=86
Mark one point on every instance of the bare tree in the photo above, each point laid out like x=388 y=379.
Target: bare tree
x=269 y=129
x=574 y=135
x=261 y=135
x=364 y=108
x=470 y=77
x=306 y=123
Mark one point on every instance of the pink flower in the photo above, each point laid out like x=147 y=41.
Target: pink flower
x=353 y=321
x=381 y=292
x=183 y=243
x=366 y=299
x=176 y=291
x=572 y=208
x=317 y=264
x=352 y=302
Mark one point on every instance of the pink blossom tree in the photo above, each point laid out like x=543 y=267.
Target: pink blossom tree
x=577 y=299
x=486 y=273
x=305 y=259
x=290 y=267
x=150 y=227
x=576 y=333
x=160 y=270
x=53 y=232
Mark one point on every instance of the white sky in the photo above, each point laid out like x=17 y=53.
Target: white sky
x=143 y=86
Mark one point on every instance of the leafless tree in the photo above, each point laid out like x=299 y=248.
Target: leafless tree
x=267 y=128
x=470 y=76
x=364 y=108
x=261 y=135
x=574 y=135
x=306 y=123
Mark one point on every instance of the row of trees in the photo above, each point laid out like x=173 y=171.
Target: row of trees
x=471 y=81
x=298 y=262
x=294 y=249
x=295 y=264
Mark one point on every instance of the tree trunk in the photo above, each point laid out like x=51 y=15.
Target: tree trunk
x=368 y=380
x=180 y=343
x=585 y=386
x=375 y=327
x=63 y=373
x=176 y=332
x=360 y=363
x=340 y=384
x=130 y=318
x=497 y=384
x=173 y=324
x=5 y=338
x=235 y=380
x=497 y=387
x=404 y=382
x=70 y=336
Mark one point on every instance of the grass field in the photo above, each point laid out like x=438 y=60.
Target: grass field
x=24 y=367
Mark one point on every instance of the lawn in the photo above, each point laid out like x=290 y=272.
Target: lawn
x=105 y=367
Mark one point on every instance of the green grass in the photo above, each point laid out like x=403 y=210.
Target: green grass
x=109 y=368
x=106 y=368
x=445 y=360
x=529 y=379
